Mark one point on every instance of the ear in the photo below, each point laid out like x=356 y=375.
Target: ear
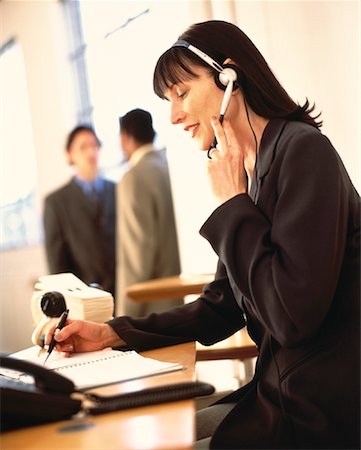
x=228 y=61
x=68 y=157
x=124 y=138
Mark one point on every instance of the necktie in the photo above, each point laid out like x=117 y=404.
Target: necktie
x=93 y=196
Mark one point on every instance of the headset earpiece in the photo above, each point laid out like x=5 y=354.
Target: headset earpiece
x=230 y=72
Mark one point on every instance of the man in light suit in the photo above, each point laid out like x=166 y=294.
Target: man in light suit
x=147 y=245
x=79 y=218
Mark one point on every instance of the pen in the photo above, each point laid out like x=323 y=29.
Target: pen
x=60 y=325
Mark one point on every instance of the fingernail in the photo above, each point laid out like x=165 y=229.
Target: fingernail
x=57 y=335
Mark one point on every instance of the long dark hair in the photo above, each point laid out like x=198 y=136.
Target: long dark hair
x=220 y=40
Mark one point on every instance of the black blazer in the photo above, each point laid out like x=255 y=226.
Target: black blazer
x=289 y=270
x=80 y=234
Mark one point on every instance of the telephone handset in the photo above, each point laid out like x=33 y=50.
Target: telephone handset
x=49 y=399
x=23 y=404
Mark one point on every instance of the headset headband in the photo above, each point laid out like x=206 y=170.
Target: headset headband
x=210 y=61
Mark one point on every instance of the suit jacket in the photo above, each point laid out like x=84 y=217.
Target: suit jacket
x=80 y=234
x=289 y=270
x=147 y=244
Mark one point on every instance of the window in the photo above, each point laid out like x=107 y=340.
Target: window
x=120 y=43
x=18 y=196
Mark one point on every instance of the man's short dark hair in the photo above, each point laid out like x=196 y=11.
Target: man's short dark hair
x=139 y=125
x=79 y=129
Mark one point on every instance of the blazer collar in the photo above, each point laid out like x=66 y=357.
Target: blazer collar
x=81 y=198
x=139 y=153
x=266 y=152
x=268 y=145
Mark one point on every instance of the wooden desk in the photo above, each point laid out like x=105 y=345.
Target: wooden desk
x=162 y=427
x=168 y=287
x=239 y=346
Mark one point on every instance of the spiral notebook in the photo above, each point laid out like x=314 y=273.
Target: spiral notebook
x=93 y=369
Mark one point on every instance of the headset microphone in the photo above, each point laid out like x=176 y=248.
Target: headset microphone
x=231 y=78
x=225 y=102
x=226 y=79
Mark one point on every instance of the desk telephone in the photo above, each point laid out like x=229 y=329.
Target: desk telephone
x=49 y=398
x=46 y=400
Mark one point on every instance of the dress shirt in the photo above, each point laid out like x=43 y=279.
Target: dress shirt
x=88 y=187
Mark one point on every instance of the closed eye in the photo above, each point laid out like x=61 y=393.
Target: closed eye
x=181 y=94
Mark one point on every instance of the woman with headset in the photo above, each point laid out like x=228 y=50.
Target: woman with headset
x=287 y=235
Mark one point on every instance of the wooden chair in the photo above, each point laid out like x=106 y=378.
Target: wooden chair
x=237 y=347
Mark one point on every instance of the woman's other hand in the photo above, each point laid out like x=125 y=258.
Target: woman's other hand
x=226 y=168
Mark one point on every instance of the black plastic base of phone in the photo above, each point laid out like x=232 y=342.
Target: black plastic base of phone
x=21 y=409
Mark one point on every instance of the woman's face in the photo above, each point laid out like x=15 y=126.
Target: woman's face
x=193 y=103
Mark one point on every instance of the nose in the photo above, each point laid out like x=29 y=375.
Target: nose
x=176 y=114
x=92 y=151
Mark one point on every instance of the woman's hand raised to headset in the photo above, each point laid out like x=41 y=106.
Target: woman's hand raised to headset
x=226 y=166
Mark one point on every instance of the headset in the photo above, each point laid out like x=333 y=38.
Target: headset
x=226 y=79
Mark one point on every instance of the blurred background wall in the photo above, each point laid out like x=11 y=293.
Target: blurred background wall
x=64 y=62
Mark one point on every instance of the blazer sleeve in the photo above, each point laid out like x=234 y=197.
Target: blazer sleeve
x=288 y=266
x=209 y=319
x=55 y=246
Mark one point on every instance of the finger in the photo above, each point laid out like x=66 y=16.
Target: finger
x=67 y=349
x=219 y=133
x=213 y=154
x=230 y=135
x=74 y=327
x=52 y=331
x=49 y=335
x=64 y=347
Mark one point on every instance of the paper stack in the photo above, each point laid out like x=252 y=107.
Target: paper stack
x=83 y=302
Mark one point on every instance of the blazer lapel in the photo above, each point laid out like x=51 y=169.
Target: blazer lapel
x=84 y=202
x=266 y=155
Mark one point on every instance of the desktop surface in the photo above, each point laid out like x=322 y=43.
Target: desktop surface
x=164 y=426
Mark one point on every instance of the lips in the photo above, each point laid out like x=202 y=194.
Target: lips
x=192 y=129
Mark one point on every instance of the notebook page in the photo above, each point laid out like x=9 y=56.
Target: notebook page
x=102 y=367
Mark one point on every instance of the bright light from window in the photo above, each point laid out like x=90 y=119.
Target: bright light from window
x=19 y=216
x=124 y=40
x=18 y=172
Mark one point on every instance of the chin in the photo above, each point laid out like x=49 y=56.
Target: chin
x=204 y=146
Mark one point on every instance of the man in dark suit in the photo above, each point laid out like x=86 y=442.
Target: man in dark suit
x=79 y=218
